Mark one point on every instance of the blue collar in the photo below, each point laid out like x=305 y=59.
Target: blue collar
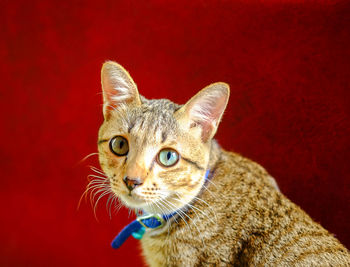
x=137 y=228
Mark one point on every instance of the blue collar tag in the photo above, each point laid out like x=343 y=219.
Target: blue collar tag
x=137 y=228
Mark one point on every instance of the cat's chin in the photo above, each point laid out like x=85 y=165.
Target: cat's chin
x=135 y=202
x=151 y=207
x=132 y=202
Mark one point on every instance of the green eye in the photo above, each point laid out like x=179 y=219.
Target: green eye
x=168 y=157
x=119 y=145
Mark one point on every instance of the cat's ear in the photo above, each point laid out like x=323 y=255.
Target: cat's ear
x=205 y=109
x=118 y=88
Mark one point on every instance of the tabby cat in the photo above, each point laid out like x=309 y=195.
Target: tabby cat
x=160 y=158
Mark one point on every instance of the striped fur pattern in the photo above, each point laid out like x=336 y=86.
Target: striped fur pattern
x=236 y=218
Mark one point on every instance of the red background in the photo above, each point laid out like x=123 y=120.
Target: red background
x=288 y=66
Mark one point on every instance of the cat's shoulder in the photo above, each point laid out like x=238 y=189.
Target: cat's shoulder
x=232 y=164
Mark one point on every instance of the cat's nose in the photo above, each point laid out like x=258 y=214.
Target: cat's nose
x=131 y=183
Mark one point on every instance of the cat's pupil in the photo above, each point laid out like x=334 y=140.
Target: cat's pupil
x=168 y=156
x=121 y=144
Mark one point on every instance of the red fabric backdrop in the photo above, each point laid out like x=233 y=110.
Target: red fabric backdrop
x=288 y=66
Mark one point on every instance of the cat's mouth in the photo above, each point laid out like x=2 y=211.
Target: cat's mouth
x=161 y=202
x=154 y=204
x=134 y=200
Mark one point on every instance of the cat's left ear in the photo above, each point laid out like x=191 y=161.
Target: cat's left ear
x=205 y=110
x=118 y=88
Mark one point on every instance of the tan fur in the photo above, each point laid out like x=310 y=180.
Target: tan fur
x=237 y=218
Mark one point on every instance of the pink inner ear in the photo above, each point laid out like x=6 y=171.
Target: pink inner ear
x=117 y=87
x=218 y=108
x=207 y=111
x=109 y=94
x=107 y=87
x=207 y=129
x=209 y=125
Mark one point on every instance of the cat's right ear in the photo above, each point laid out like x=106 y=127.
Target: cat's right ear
x=118 y=88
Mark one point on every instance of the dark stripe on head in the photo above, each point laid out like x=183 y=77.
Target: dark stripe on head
x=152 y=165
x=179 y=169
x=164 y=136
x=141 y=125
x=155 y=129
x=102 y=141
x=131 y=125
x=193 y=163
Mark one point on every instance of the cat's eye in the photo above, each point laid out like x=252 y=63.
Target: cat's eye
x=168 y=157
x=119 y=145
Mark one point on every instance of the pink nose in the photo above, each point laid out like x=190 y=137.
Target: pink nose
x=131 y=183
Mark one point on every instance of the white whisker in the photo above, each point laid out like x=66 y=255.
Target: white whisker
x=88 y=156
x=212 y=194
x=211 y=182
x=97 y=170
x=101 y=196
x=97 y=188
x=194 y=208
x=179 y=211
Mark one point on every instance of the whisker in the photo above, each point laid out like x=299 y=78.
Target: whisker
x=118 y=206
x=202 y=201
x=97 y=177
x=211 y=182
x=96 y=191
x=169 y=225
x=188 y=206
x=108 y=205
x=180 y=211
x=106 y=192
x=97 y=170
x=212 y=194
x=160 y=206
x=91 y=186
x=194 y=208
x=88 y=156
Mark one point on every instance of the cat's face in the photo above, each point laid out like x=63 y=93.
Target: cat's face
x=154 y=152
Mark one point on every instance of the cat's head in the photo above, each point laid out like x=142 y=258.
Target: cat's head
x=155 y=152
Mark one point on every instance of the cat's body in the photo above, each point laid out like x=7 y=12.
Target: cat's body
x=156 y=153
x=252 y=225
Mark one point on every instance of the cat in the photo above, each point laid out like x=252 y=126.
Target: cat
x=160 y=158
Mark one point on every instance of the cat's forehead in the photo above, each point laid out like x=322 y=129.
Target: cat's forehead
x=157 y=106
x=154 y=117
